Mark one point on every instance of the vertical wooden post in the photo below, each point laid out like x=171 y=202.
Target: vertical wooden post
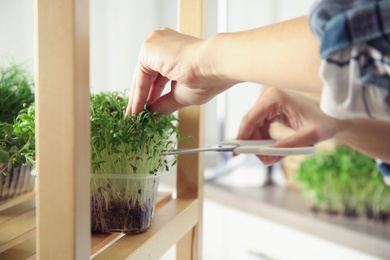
x=63 y=129
x=190 y=167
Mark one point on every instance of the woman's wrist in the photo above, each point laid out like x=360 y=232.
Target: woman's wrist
x=369 y=136
x=214 y=62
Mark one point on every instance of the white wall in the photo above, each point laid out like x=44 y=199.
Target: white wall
x=17 y=32
x=118 y=28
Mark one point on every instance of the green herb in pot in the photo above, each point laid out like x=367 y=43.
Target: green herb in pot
x=126 y=160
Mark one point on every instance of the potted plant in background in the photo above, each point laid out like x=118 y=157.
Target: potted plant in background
x=126 y=163
x=346 y=182
x=17 y=132
x=16 y=89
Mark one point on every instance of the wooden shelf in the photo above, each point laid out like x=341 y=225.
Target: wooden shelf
x=17 y=227
x=173 y=219
x=8 y=203
x=171 y=223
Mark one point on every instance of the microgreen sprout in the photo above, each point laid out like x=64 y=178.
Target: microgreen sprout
x=344 y=181
x=17 y=117
x=129 y=144
x=17 y=140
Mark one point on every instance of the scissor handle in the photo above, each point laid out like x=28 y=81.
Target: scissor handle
x=238 y=142
x=263 y=147
x=274 y=151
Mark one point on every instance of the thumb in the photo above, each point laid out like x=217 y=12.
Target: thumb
x=301 y=138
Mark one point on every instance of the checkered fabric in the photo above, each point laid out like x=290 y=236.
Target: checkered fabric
x=355 y=52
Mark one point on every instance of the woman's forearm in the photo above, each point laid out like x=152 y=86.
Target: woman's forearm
x=284 y=55
x=369 y=136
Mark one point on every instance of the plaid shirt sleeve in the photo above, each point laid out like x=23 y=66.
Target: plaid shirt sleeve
x=385 y=170
x=355 y=53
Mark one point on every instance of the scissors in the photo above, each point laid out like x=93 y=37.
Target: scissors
x=262 y=147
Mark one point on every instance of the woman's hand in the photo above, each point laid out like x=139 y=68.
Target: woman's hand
x=292 y=110
x=167 y=55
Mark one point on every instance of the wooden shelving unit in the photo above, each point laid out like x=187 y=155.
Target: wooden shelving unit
x=54 y=223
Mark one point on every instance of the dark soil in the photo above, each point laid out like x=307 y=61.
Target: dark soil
x=351 y=213
x=382 y=217
x=119 y=217
x=331 y=212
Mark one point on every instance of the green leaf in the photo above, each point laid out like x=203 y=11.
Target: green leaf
x=4 y=156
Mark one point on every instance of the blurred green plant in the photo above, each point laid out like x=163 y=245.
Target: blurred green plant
x=17 y=140
x=16 y=89
x=17 y=117
x=344 y=181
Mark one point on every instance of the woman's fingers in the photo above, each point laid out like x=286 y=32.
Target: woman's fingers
x=253 y=121
x=166 y=104
x=289 y=109
x=141 y=89
x=301 y=138
x=157 y=88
